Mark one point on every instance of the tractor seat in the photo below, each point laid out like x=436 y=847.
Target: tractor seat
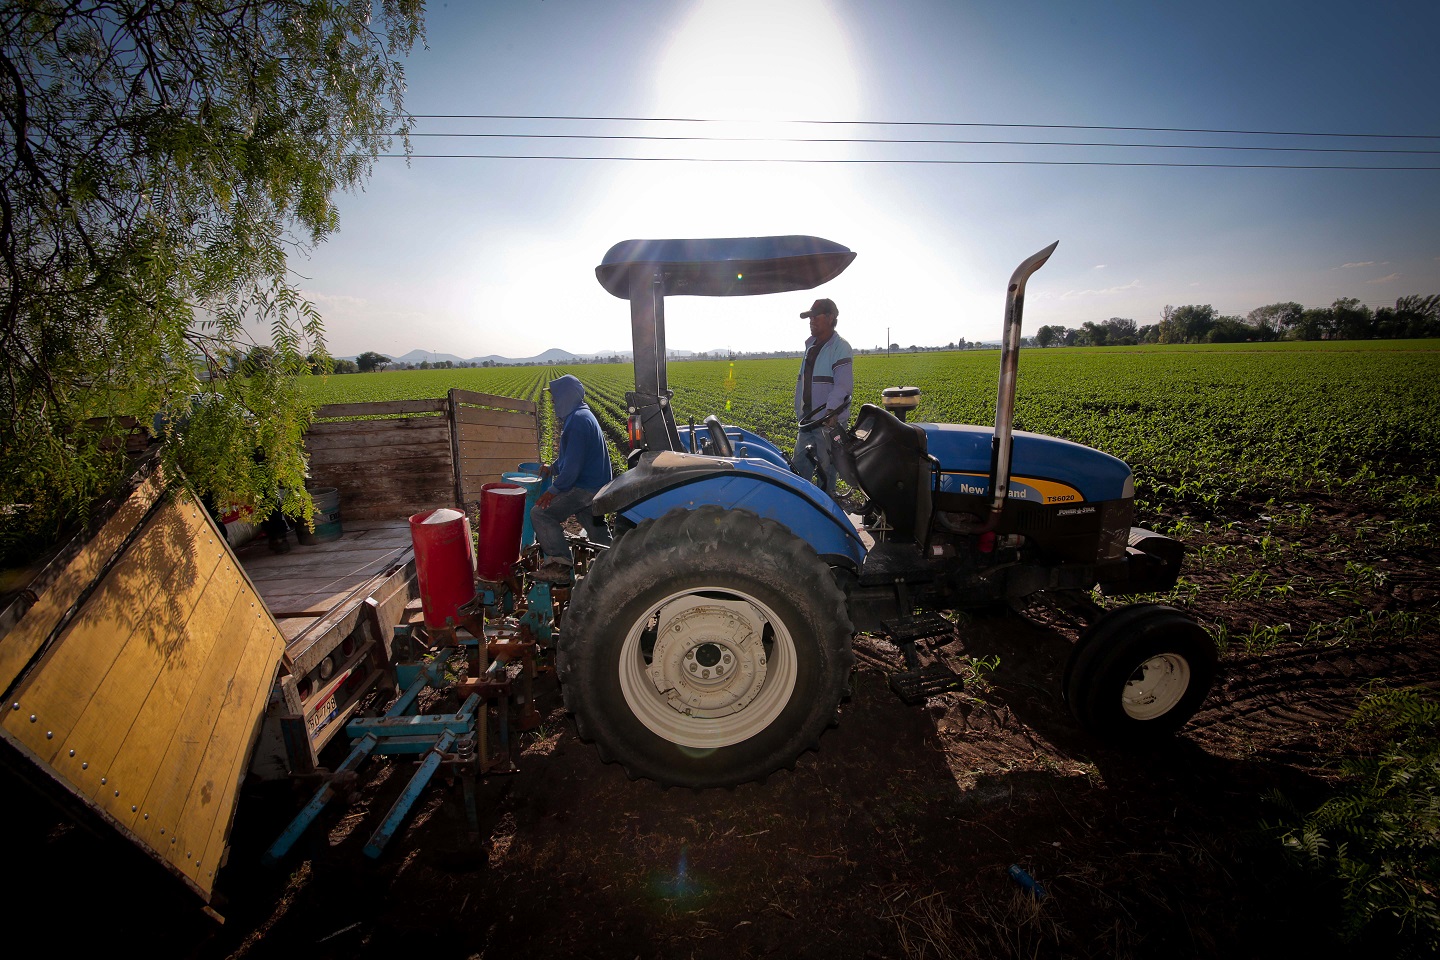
x=894 y=470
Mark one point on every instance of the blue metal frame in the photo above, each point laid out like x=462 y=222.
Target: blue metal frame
x=400 y=732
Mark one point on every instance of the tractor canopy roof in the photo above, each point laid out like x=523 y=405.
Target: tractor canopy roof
x=724 y=267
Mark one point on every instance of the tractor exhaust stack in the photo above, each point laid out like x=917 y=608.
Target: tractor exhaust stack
x=1000 y=445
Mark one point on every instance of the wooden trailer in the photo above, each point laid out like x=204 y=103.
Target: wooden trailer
x=147 y=668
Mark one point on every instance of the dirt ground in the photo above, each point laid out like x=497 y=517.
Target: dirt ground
x=893 y=840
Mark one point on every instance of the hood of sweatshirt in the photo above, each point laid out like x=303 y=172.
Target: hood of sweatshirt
x=566 y=393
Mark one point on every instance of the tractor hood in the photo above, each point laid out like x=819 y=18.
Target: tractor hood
x=1043 y=470
x=728 y=267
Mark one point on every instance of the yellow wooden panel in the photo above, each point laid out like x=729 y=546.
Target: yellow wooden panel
x=206 y=818
x=109 y=716
x=57 y=690
x=137 y=762
x=20 y=644
x=163 y=805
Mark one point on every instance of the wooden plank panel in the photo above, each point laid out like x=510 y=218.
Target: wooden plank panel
x=138 y=759
x=231 y=758
x=494 y=418
x=403 y=498
x=210 y=799
x=308 y=603
x=400 y=442
x=516 y=453
x=160 y=813
x=21 y=643
x=485 y=466
x=349 y=565
x=364 y=454
x=379 y=408
x=491 y=400
x=292 y=627
x=108 y=718
x=490 y=434
x=58 y=689
x=387 y=511
x=410 y=430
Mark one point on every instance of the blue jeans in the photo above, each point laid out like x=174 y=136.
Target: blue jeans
x=801 y=464
x=549 y=522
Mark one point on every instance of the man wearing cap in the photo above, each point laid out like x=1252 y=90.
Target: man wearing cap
x=581 y=468
x=822 y=393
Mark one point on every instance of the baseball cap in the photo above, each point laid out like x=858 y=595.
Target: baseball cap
x=823 y=305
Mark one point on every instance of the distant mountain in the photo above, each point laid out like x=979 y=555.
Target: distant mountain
x=553 y=355
x=417 y=356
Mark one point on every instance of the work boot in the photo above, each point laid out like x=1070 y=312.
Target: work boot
x=555 y=570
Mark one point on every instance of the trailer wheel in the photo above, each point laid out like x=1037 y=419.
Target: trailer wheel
x=1139 y=673
x=709 y=647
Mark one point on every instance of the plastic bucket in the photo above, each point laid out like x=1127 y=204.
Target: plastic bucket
x=327 y=518
x=502 y=509
x=444 y=563
x=534 y=470
x=531 y=483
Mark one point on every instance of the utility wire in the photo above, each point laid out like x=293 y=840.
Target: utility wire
x=988 y=143
x=1031 y=163
x=926 y=123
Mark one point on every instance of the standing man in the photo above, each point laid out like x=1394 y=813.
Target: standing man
x=822 y=392
x=581 y=468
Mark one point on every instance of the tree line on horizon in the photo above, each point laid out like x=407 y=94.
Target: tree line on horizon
x=1412 y=317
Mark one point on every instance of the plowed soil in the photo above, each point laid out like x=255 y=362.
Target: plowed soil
x=893 y=840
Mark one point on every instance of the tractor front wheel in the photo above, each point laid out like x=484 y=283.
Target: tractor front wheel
x=1139 y=673
x=707 y=648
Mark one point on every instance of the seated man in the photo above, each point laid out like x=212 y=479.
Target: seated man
x=580 y=469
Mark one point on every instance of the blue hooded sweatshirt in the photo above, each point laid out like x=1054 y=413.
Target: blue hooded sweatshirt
x=583 y=461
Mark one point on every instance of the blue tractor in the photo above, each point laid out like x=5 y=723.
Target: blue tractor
x=711 y=645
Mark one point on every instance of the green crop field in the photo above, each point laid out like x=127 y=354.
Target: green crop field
x=1198 y=424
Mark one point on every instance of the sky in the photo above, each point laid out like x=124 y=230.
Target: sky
x=473 y=257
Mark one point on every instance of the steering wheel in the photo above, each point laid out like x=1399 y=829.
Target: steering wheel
x=719 y=442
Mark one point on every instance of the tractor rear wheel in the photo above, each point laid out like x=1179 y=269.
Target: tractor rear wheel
x=1139 y=673
x=707 y=648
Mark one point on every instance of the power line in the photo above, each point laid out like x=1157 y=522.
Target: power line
x=852 y=160
x=912 y=141
x=930 y=123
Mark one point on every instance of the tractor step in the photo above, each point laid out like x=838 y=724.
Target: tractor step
x=922 y=626
x=914 y=686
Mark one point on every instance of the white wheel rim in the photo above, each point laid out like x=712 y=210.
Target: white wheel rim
x=710 y=681
x=1156 y=686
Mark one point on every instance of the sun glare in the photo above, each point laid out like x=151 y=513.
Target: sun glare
x=758 y=60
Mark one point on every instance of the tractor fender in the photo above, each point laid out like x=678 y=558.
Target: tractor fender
x=664 y=481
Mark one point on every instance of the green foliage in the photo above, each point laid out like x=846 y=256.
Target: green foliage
x=1378 y=839
x=370 y=361
x=159 y=162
